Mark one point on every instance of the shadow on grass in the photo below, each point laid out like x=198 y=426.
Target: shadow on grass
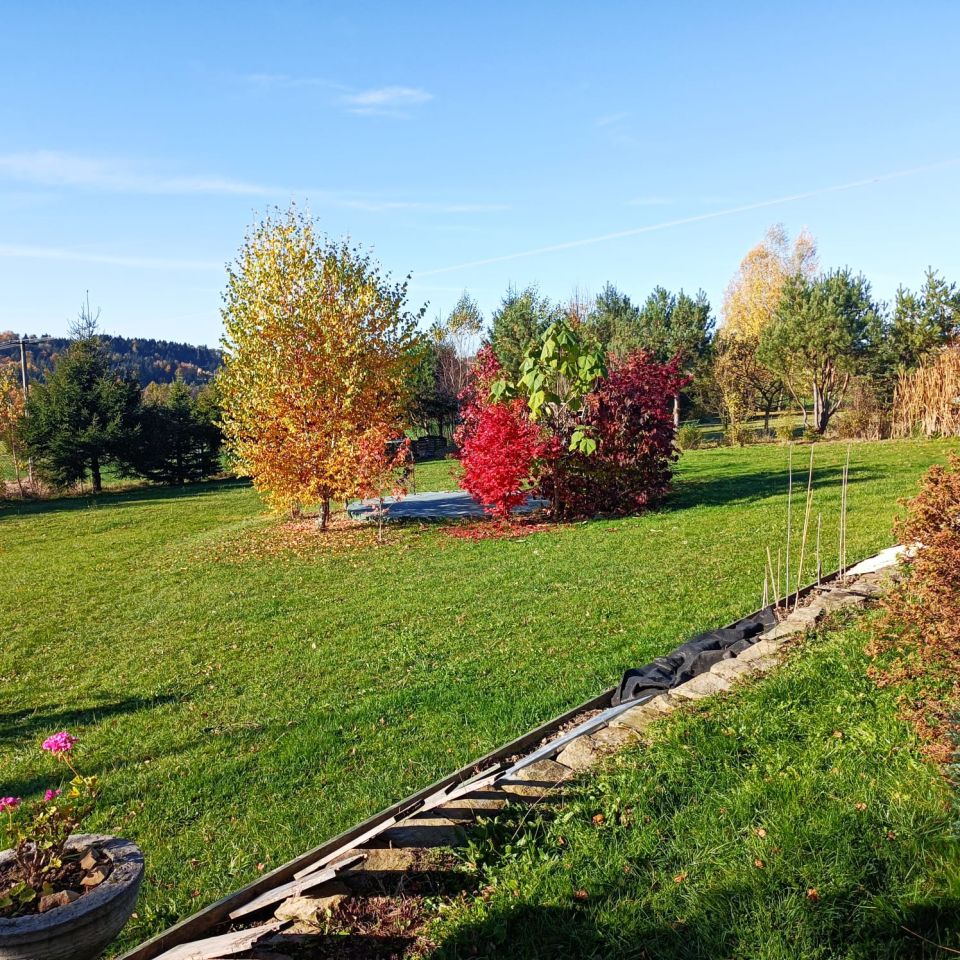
x=23 y=725
x=554 y=932
x=759 y=485
x=114 y=498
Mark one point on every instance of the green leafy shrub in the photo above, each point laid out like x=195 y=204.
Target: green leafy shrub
x=689 y=437
x=785 y=433
x=737 y=435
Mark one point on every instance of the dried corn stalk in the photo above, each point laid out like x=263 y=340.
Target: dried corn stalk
x=928 y=399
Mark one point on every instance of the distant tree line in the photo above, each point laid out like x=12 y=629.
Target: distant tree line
x=789 y=335
x=145 y=360
x=666 y=325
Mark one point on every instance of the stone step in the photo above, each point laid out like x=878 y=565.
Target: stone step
x=538 y=781
x=428 y=831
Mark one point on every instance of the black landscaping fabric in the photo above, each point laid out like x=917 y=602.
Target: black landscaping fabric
x=693 y=657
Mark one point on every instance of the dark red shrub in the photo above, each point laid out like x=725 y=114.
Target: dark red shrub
x=630 y=415
x=499 y=446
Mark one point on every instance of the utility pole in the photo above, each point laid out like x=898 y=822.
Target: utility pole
x=22 y=342
x=23 y=370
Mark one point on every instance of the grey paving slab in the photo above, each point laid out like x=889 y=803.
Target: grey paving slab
x=443 y=505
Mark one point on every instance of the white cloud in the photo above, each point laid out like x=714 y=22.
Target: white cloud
x=24 y=251
x=50 y=168
x=393 y=100
x=388 y=97
x=610 y=119
x=385 y=101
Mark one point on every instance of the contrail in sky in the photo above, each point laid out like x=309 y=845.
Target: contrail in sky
x=698 y=218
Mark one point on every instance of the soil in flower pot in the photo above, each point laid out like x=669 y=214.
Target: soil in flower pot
x=82 y=871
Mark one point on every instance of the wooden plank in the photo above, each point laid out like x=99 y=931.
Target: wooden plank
x=293 y=888
x=346 y=848
x=223 y=946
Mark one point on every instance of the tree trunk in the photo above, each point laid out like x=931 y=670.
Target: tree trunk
x=821 y=409
x=324 y=517
x=95 y=480
x=676 y=411
x=767 y=409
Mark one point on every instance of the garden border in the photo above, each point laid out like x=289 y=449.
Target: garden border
x=507 y=760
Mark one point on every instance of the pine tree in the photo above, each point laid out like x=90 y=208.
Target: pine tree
x=83 y=418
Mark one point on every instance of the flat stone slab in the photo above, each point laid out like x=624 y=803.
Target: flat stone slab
x=762 y=648
x=469 y=808
x=443 y=505
x=733 y=669
x=423 y=833
x=701 y=686
x=837 y=599
x=309 y=909
x=789 y=628
x=580 y=754
x=538 y=780
x=638 y=718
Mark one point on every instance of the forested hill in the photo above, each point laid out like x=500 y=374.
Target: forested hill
x=148 y=360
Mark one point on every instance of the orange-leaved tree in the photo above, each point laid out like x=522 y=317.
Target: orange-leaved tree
x=317 y=347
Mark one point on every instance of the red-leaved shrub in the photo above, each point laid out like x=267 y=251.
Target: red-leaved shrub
x=475 y=397
x=630 y=415
x=498 y=454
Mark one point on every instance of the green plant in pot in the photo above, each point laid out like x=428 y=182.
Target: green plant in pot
x=63 y=894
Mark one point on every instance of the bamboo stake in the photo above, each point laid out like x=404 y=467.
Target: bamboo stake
x=778 y=576
x=786 y=578
x=774 y=583
x=846 y=506
x=819 y=557
x=806 y=524
x=843 y=515
x=843 y=493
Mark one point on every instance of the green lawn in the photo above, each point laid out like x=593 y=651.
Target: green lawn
x=240 y=708
x=793 y=819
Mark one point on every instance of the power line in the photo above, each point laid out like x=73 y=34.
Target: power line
x=697 y=218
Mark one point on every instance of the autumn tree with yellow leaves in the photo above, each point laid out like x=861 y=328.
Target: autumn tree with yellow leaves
x=750 y=304
x=317 y=347
x=11 y=417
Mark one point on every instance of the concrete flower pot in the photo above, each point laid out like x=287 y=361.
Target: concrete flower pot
x=80 y=930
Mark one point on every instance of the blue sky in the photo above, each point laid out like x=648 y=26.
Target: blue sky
x=138 y=141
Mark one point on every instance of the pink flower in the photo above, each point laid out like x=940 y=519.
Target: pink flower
x=59 y=743
x=9 y=803
x=50 y=795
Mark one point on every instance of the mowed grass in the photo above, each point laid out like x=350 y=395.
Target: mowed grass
x=241 y=707
x=795 y=818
